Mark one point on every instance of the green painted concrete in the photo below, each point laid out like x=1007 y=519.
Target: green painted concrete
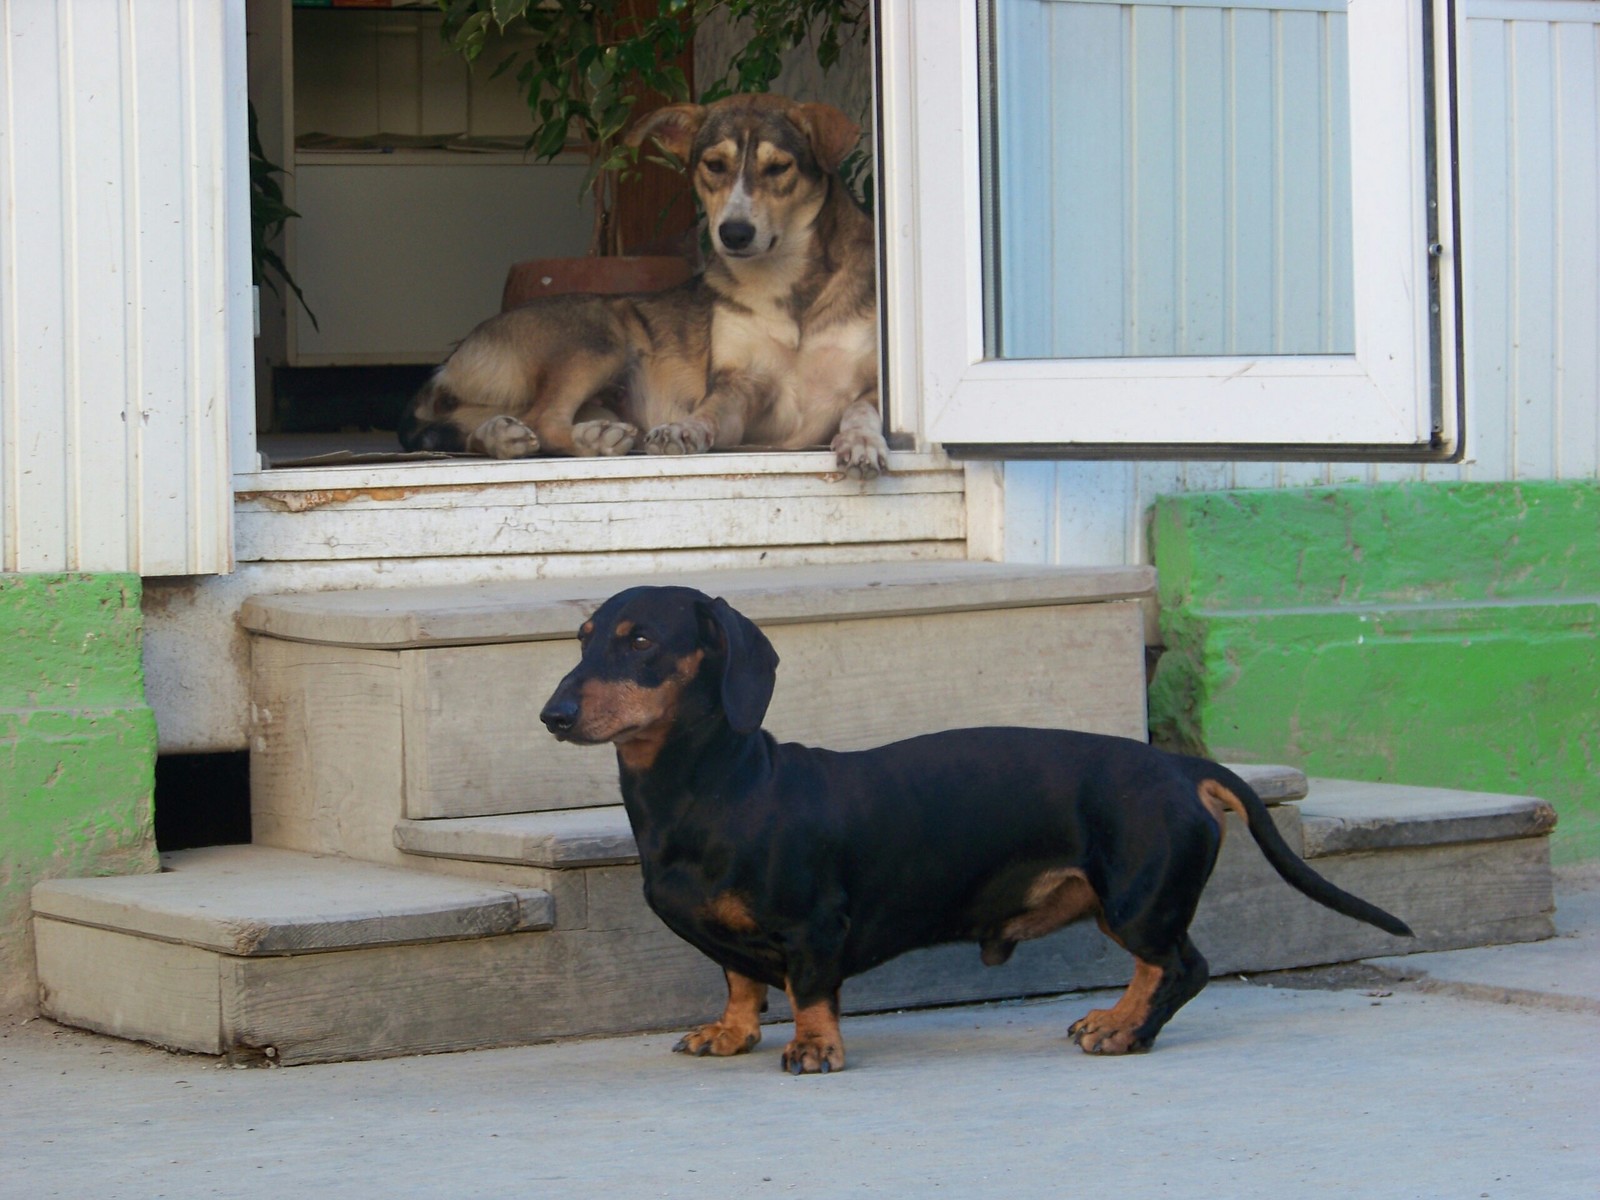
x=1439 y=634
x=77 y=747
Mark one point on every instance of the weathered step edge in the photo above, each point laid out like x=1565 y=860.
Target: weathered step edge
x=573 y=838
x=252 y=901
x=1346 y=816
x=496 y=612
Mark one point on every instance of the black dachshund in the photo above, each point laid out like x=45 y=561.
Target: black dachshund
x=797 y=868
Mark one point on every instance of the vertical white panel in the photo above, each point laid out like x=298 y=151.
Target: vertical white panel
x=1090 y=498
x=1533 y=180
x=161 y=267
x=1203 y=149
x=1030 y=517
x=1153 y=160
x=1251 y=179
x=96 y=396
x=1300 y=220
x=9 y=510
x=1024 y=195
x=38 y=500
x=1486 y=214
x=1339 y=305
x=120 y=307
x=1577 y=283
x=1088 y=145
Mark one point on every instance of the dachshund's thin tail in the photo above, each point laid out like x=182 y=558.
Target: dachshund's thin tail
x=1221 y=787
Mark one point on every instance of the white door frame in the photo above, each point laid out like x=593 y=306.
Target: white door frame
x=1396 y=396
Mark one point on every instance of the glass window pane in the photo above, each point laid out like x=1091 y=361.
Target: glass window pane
x=1167 y=179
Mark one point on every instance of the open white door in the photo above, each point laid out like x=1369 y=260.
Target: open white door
x=1197 y=227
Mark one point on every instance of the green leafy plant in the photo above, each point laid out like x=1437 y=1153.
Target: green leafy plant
x=583 y=65
x=268 y=213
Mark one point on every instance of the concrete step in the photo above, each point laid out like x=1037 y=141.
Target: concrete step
x=1461 y=868
x=211 y=954
x=568 y=839
x=252 y=952
x=1343 y=816
x=373 y=707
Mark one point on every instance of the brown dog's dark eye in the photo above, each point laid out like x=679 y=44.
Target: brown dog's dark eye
x=714 y=166
x=773 y=170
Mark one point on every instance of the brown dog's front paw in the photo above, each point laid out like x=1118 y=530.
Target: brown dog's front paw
x=813 y=1056
x=1100 y=1033
x=719 y=1039
x=504 y=437
x=861 y=455
x=603 y=438
x=680 y=437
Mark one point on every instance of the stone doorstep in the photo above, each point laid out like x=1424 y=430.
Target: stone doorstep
x=215 y=955
x=1341 y=816
x=567 y=839
x=467 y=614
x=256 y=901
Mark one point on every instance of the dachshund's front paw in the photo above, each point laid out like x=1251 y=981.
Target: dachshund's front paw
x=813 y=1054
x=720 y=1039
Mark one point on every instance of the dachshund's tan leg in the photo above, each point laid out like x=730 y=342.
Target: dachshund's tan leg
x=817 y=1046
x=739 y=1027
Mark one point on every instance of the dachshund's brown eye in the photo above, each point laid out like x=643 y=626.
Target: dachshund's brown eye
x=640 y=642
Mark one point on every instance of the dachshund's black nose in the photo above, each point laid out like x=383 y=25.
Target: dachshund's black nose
x=736 y=235
x=560 y=715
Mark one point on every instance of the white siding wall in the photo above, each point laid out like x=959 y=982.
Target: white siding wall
x=1530 y=132
x=124 y=324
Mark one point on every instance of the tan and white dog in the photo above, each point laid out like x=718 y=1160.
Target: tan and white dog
x=776 y=344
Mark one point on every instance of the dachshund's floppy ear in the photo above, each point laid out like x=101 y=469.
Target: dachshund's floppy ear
x=749 y=664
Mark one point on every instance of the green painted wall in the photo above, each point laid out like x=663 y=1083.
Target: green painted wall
x=77 y=747
x=1436 y=634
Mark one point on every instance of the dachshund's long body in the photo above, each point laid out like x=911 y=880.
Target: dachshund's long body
x=798 y=867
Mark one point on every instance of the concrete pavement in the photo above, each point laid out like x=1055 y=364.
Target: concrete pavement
x=1472 y=1074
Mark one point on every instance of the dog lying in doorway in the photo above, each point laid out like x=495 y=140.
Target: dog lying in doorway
x=776 y=344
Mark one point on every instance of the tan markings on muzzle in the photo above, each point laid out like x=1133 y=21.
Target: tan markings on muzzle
x=636 y=718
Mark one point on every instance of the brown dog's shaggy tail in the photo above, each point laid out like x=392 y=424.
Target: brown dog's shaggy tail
x=1220 y=787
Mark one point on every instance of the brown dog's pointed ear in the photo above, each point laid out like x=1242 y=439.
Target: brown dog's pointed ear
x=673 y=128
x=749 y=664
x=832 y=134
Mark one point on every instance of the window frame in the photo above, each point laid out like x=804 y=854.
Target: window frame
x=1396 y=397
